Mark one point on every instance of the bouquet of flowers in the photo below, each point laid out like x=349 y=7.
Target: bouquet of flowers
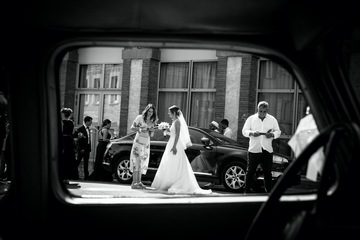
x=164 y=126
x=80 y=135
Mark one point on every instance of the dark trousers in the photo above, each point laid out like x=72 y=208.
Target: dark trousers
x=254 y=159
x=85 y=157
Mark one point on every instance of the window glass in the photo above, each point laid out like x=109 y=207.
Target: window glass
x=281 y=107
x=113 y=76
x=174 y=75
x=159 y=136
x=204 y=74
x=171 y=98
x=90 y=76
x=196 y=136
x=273 y=76
x=195 y=85
x=202 y=109
x=174 y=78
x=89 y=106
x=223 y=139
x=111 y=109
x=99 y=94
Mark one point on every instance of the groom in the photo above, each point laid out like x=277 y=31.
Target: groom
x=84 y=145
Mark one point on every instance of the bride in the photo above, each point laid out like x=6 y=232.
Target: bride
x=175 y=174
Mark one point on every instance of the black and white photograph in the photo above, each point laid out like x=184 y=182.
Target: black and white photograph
x=155 y=119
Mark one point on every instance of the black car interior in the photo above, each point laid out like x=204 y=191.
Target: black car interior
x=309 y=38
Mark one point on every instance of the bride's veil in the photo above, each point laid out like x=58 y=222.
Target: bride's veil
x=184 y=136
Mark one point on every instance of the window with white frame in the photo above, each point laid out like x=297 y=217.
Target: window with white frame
x=98 y=93
x=191 y=86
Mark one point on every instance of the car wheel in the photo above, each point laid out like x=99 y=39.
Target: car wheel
x=122 y=170
x=233 y=176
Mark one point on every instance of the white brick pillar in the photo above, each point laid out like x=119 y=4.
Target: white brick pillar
x=232 y=92
x=134 y=91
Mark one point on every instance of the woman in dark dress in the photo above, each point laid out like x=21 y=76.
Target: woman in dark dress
x=68 y=168
x=104 y=136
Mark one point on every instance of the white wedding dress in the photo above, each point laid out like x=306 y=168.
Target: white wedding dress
x=175 y=174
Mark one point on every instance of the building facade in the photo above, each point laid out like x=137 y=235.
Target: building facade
x=117 y=83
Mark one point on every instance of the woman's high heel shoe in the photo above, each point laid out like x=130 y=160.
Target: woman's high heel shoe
x=141 y=185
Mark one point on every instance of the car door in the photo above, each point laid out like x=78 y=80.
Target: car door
x=157 y=148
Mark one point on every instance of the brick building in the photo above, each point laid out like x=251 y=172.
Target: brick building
x=117 y=83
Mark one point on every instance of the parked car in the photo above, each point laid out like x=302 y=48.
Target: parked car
x=214 y=158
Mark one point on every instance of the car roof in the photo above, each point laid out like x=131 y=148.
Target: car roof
x=298 y=22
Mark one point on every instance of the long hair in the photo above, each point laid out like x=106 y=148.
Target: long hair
x=145 y=112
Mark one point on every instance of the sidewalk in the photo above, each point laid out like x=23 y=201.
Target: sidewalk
x=81 y=168
x=93 y=189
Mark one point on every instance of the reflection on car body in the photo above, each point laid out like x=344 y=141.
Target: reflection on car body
x=213 y=157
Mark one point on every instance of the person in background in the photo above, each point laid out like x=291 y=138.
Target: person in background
x=143 y=125
x=68 y=167
x=214 y=126
x=83 y=134
x=261 y=128
x=305 y=133
x=227 y=130
x=104 y=136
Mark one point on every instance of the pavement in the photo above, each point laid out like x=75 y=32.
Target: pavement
x=103 y=190
x=92 y=189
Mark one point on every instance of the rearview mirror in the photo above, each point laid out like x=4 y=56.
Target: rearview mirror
x=206 y=143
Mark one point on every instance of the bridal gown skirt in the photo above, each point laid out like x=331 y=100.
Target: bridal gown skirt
x=175 y=174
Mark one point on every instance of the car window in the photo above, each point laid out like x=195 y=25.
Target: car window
x=223 y=139
x=274 y=83
x=159 y=136
x=98 y=88
x=107 y=98
x=195 y=136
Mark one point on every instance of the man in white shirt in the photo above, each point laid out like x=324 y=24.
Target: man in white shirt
x=261 y=128
x=227 y=131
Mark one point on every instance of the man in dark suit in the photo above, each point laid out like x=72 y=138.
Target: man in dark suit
x=84 y=145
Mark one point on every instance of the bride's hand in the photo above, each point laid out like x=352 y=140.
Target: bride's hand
x=174 y=150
